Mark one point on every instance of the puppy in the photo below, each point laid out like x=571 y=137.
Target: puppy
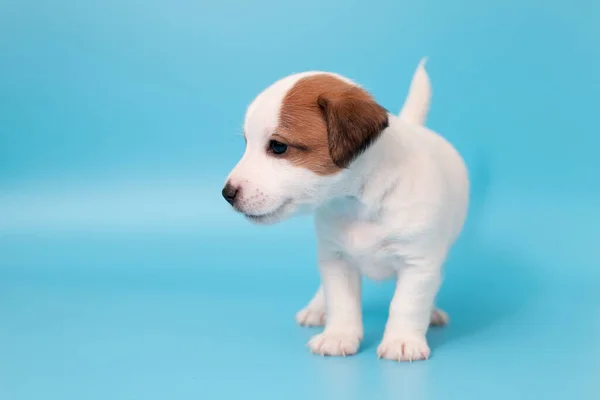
x=390 y=198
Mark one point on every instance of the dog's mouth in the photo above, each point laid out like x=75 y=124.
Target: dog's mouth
x=270 y=217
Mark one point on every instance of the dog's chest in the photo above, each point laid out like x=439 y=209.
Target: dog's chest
x=365 y=242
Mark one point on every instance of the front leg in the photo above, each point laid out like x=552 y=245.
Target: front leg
x=343 y=328
x=314 y=313
x=410 y=311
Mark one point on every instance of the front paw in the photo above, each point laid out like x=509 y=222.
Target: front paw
x=335 y=343
x=403 y=347
x=311 y=317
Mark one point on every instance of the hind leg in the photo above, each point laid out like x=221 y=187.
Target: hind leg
x=314 y=313
x=439 y=317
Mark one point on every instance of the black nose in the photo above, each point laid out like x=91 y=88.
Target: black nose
x=229 y=192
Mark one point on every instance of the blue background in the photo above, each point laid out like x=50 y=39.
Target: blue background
x=123 y=274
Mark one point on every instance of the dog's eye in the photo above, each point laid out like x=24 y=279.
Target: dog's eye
x=277 y=147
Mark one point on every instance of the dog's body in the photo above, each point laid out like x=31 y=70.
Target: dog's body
x=390 y=198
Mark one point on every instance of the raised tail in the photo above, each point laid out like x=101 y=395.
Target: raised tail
x=416 y=105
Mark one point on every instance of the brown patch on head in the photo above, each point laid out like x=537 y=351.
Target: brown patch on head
x=328 y=122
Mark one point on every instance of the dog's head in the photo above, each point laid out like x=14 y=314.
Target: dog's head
x=301 y=133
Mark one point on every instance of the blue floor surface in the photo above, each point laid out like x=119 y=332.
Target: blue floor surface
x=184 y=315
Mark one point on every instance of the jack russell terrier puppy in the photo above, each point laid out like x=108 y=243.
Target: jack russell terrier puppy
x=390 y=198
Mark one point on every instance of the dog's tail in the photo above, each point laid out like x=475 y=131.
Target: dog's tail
x=416 y=105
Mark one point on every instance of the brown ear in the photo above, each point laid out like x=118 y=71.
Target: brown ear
x=354 y=121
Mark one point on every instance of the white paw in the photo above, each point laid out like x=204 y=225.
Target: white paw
x=439 y=318
x=400 y=347
x=310 y=317
x=335 y=343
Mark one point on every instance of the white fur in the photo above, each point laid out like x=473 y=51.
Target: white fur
x=393 y=214
x=416 y=106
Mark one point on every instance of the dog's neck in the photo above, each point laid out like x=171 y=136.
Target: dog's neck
x=375 y=172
